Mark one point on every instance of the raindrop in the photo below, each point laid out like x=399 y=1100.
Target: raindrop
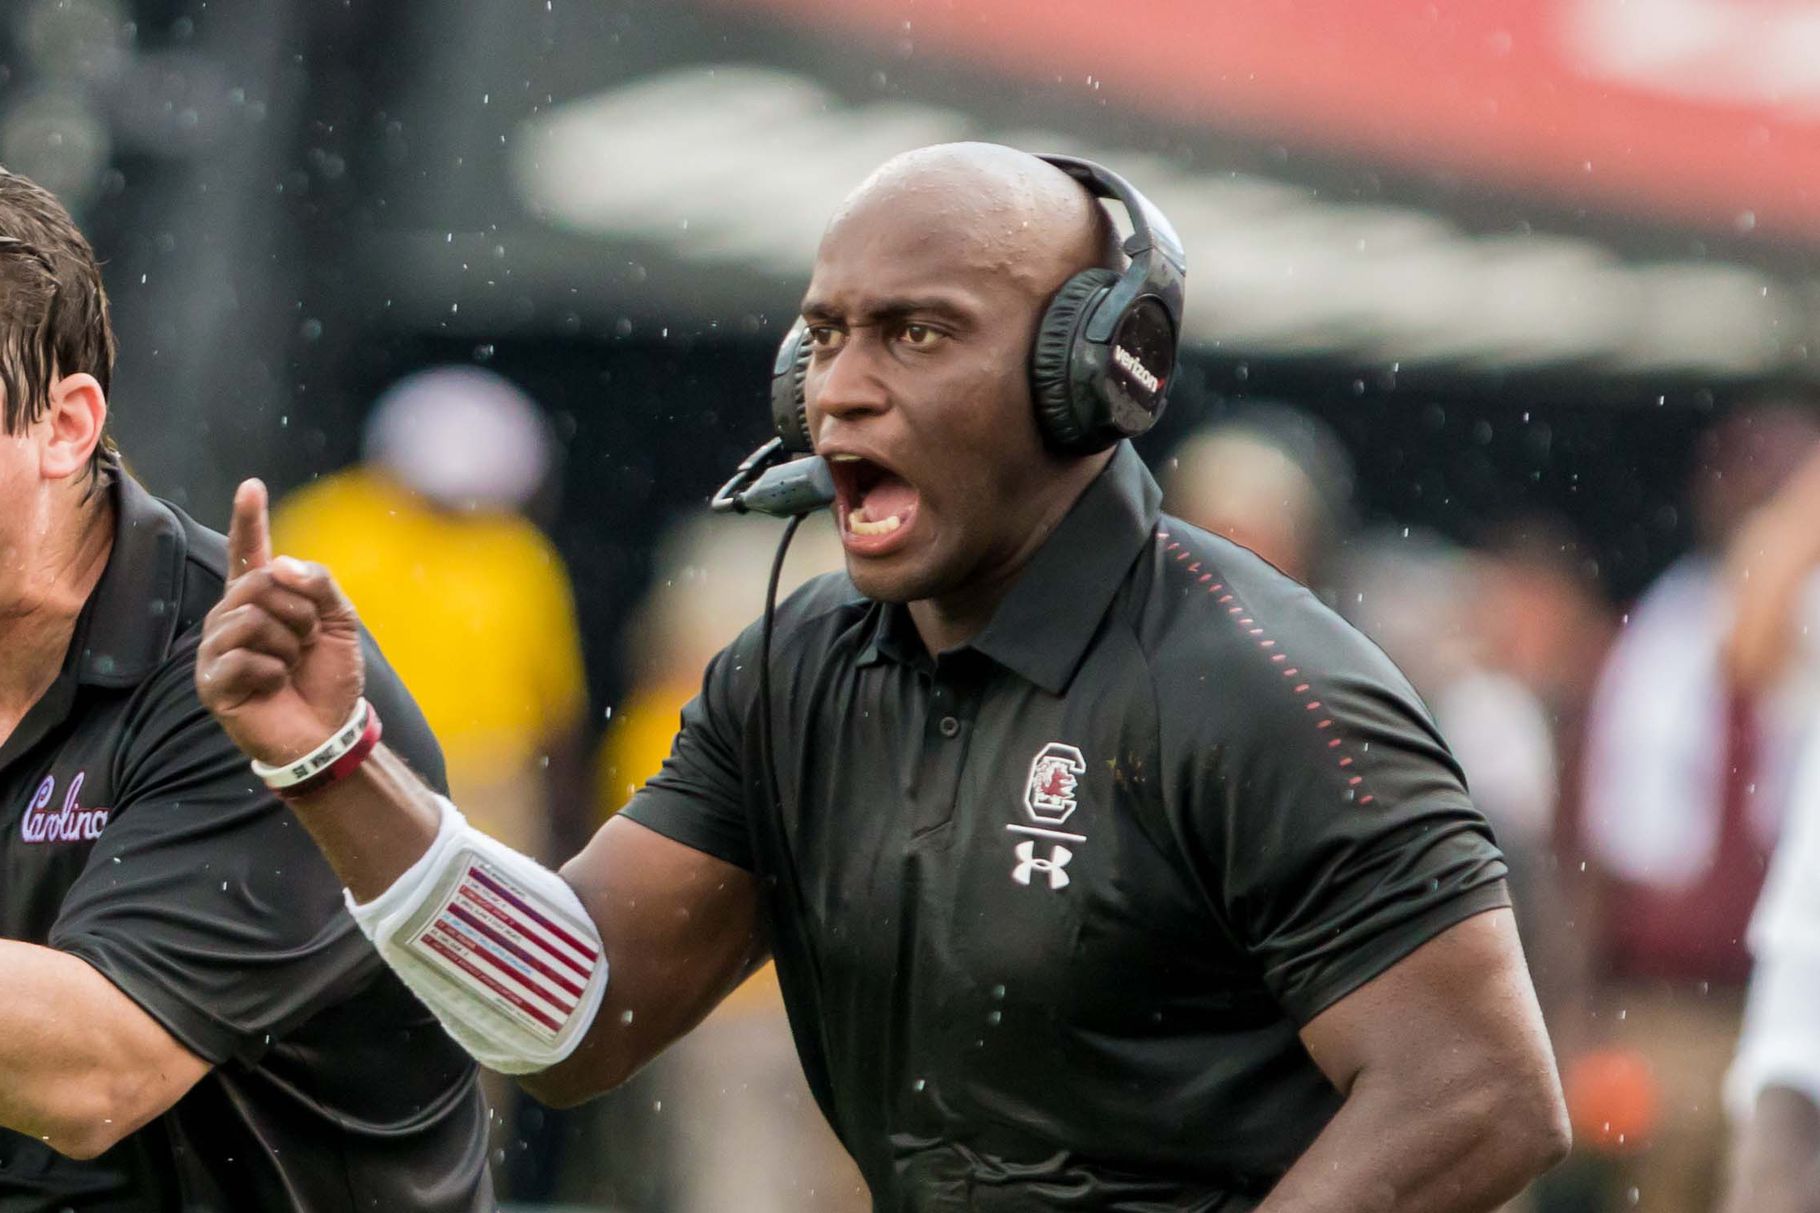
x=918 y=1085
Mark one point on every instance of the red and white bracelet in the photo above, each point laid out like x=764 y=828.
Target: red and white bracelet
x=331 y=762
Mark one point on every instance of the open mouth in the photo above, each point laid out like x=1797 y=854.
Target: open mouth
x=875 y=504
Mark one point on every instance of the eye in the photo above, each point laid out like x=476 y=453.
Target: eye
x=920 y=336
x=825 y=337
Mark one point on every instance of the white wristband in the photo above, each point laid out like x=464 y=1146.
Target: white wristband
x=319 y=759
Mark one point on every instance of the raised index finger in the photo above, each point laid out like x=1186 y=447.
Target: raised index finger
x=249 y=532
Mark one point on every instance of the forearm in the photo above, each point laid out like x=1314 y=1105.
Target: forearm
x=1770 y=564
x=1459 y=1149
x=80 y=1064
x=651 y=899
x=373 y=825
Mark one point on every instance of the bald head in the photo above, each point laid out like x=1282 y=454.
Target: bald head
x=1017 y=215
x=921 y=319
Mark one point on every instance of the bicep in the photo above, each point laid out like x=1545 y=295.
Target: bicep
x=85 y=1063
x=679 y=929
x=1459 y=1005
x=153 y=1067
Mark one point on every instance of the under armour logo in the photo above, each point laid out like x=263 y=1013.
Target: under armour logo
x=1027 y=862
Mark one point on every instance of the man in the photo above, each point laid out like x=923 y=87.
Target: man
x=1690 y=750
x=1774 y=1085
x=191 y=1021
x=1271 y=479
x=483 y=629
x=1773 y=1088
x=1109 y=871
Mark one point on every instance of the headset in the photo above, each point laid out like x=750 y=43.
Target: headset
x=1100 y=367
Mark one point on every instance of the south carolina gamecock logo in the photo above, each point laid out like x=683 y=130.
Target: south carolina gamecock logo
x=1054 y=775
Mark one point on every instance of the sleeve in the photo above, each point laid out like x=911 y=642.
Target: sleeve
x=1779 y=1045
x=698 y=798
x=205 y=900
x=1336 y=831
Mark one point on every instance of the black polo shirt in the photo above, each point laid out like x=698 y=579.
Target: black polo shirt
x=1049 y=910
x=137 y=838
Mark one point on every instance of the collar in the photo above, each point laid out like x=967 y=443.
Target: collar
x=127 y=627
x=1043 y=627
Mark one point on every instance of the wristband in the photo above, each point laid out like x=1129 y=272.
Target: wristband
x=330 y=762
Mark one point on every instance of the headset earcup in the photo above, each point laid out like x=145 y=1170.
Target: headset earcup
x=789 y=410
x=1067 y=413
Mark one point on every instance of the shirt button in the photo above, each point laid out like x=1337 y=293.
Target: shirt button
x=948 y=726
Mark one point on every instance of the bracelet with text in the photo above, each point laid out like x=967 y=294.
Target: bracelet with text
x=330 y=762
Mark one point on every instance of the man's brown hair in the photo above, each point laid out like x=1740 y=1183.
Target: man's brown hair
x=53 y=308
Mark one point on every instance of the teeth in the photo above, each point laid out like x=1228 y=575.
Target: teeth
x=860 y=526
x=843 y=458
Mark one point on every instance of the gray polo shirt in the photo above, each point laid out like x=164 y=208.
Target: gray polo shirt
x=1048 y=910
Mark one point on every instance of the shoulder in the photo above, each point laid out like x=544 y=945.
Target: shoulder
x=1251 y=666
x=817 y=626
x=810 y=618
x=1214 y=607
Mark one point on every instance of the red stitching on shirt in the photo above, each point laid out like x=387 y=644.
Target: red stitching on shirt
x=1354 y=783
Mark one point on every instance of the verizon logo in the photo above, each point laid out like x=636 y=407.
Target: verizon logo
x=1131 y=366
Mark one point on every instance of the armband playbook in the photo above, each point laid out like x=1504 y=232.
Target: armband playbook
x=493 y=942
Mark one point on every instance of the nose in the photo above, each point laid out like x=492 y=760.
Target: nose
x=846 y=385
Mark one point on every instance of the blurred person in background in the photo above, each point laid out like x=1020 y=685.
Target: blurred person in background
x=1436 y=610
x=473 y=607
x=1271 y=479
x=1544 y=618
x=1420 y=598
x=193 y=1022
x=738 y=1127
x=469 y=598
x=1491 y=636
x=1773 y=1089
x=1687 y=768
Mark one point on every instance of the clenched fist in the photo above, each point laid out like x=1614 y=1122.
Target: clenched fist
x=280 y=664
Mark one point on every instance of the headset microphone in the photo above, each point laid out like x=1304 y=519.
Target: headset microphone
x=762 y=485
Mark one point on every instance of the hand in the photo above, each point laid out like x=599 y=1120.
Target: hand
x=1767 y=568
x=280 y=664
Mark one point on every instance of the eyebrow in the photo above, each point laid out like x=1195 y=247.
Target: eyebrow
x=895 y=308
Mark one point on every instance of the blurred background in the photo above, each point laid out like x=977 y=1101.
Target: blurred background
x=1500 y=334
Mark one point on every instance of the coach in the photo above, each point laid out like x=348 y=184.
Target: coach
x=1109 y=870
x=188 y=1020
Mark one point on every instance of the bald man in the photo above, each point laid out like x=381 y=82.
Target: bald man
x=1110 y=871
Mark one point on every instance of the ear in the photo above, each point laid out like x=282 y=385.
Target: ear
x=74 y=424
